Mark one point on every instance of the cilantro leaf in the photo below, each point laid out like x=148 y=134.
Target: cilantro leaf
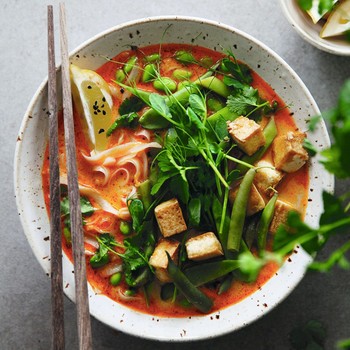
x=245 y=102
x=126 y=120
x=137 y=212
x=131 y=105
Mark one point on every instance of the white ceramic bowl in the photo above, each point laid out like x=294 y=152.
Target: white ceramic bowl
x=309 y=31
x=33 y=138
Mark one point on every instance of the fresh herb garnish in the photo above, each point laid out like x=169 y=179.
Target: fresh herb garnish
x=126 y=120
x=309 y=337
x=132 y=104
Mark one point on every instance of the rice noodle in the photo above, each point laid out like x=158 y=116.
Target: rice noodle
x=120 y=151
x=111 y=269
x=127 y=177
x=103 y=204
x=91 y=241
x=144 y=133
x=105 y=171
x=124 y=297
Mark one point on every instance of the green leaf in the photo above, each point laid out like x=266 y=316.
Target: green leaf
x=159 y=105
x=180 y=188
x=229 y=81
x=310 y=148
x=86 y=207
x=239 y=71
x=313 y=122
x=194 y=212
x=130 y=105
x=137 y=213
x=198 y=105
x=244 y=102
x=126 y=120
x=195 y=119
x=325 y=6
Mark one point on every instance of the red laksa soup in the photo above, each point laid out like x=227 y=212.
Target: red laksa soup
x=187 y=159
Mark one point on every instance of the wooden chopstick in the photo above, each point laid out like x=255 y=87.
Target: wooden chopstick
x=55 y=216
x=57 y=306
x=81 y=292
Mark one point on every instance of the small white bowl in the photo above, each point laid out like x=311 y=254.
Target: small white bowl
x=309 y=31
x=32 y=140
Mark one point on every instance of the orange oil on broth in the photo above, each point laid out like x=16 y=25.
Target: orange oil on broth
x=292 y=189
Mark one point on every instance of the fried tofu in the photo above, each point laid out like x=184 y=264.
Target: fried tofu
x=169 y=217
x=204 y=246
x=281 y=214
x=247 y=134
x=267 y=177
x=288 y=152
x=255 y=202
x=159 y=259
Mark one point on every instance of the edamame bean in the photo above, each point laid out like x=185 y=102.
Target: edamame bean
x=152 y=57
x=130 y=64
x=238 y=213
x=206 y=62
x=149 y=73
x=120 y=76
x=184 y=57
x=165 y=84
x=125 y=228
x=115 y=279
x=182 y=74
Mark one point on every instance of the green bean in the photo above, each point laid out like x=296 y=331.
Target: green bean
x=153 y=57
x=196 y=297
x=125 y=228
x=149 y=73
x=270 y=132
x=208 y=272
x=222 y=113
x=120 y=76
x=184 y=57
x=226 y=284
x=141 y=279
x=165 y=84
x=182 y=74
x=115 y=279
x=129 y=65
x=265 y=221
x=216 y=85
x=238 y=213
x=167 y=291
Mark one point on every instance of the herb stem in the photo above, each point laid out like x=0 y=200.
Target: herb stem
x=236 y=160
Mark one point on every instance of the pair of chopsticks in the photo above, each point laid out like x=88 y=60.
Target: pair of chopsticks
x=81 y=293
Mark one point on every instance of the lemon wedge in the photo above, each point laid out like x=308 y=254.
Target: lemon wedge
x=314 y=13
x=93 y=100
x=338 y=21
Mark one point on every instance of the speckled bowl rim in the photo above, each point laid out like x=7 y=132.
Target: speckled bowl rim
x=310 y=31
x=127 y=320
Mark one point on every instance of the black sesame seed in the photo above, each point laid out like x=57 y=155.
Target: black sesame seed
x=101 y=131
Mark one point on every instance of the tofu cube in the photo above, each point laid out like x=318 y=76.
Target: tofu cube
x=281 y=214
x=247 y=134
x=255 y=203
x=204 y=246
x=267 y=177
x=159 y=259
x=169 y=217
x=288 y=152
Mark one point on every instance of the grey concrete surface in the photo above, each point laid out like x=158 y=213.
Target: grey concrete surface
x=25 y=289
